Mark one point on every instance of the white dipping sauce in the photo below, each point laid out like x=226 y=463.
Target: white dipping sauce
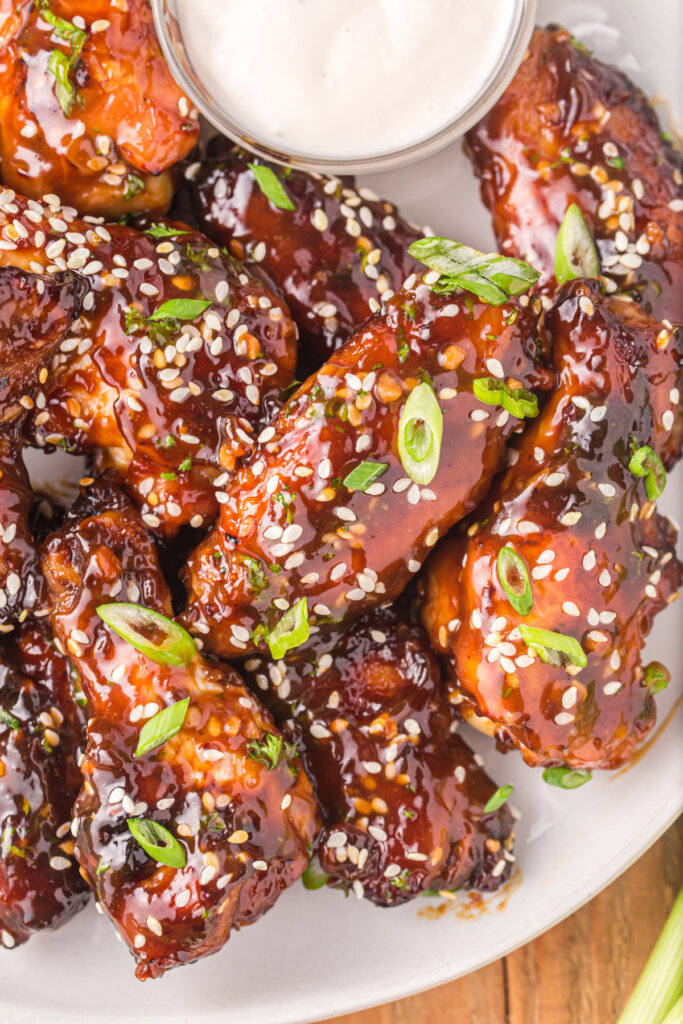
x=344 y=78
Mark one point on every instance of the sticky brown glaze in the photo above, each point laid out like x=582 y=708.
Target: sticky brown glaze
x=173 y=404
x=35 y=315
x=289 y=529
x=332 y=258
x=108 y=152
x=600 y=558
x=41 y=729
x=244 y=828
x=401 y=795
x=570 y=129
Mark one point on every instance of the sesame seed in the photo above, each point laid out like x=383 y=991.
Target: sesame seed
x=240 y=836
x=60 y=863
x=611 y=688
x=154 y=925
x=563 y=718
x=569 y=697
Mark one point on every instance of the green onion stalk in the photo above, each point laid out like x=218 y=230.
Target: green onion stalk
x=658 y=996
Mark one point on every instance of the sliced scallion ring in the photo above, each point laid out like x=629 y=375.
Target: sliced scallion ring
x=575 y=252
x=566 y=778
x=517 y=401
x=162 y=727
x=657 y=677
x=157 y=637
x=158 y=842
x=314 y=877
x=645 y=462
x=362 y=476
x=291 y=631
x=420 y=430
x=495 y=802
x=554 y=648
x=514 y=579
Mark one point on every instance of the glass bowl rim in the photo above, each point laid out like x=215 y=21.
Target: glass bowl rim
x=190 y=81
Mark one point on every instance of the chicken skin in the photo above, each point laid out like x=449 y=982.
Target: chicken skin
x=173 y=364
x=41 y=730
x=240 y=827
x=568 y=130
x=577 y=508
x=35 y=315
x=291 y=529
x=333 y=250
x=401 y=795
x=88 y=107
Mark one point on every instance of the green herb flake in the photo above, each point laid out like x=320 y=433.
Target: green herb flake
x=164 y=231
x=362 y=476
x=272 y=187
x=162 y=727
x=10 y=720
x=272 y=750
x=180 y=309
x=491 y=277
x=134 y=185
x=496 y=801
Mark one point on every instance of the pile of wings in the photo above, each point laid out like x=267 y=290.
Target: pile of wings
x=243 y=654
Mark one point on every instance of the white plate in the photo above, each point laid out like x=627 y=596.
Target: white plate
x=317 y=954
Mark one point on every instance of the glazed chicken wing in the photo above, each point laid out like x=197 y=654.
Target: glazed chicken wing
x=171 y=366
x=402 y=796
x=599 y=558
x=332 y=249
x=88 y=107
x=41 y=729
x=239 y=828
x=35 y=315
x=570 y=129
x=292 y=529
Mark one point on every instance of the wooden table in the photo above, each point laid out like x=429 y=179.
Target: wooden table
x=580 y=972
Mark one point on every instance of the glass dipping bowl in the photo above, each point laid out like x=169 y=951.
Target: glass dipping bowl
x=186 y=74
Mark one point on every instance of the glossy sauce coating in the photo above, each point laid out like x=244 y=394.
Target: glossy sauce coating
x=35 y=315
x=244 y=829
x=570 y=129
x=173 y=402
x=107 y=149
x=290 y=529
x=601 y=560
x=333 y=258
x=41 y=730
x=401 y=794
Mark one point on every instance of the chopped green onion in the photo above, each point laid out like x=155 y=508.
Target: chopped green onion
x=272 y=187
x=675 y=1014
x=495 y=802
x=420 y=430
x=575 y=252
x=314 y=877
x=157 y=637
x=291 y=631
x=180 y=309
x=660 y=987
x=272 y=750
x=59 y=65
x=64 y=29
x=645 y=462
x=158 y=842
x=489 y=276
x=554 y=648
x=517 y=401
x=162 y=727
x=164 y=231
x=566 y=778
x=7 y=719
x=514 y=579
x=657 y=677
x=360 y=478
x=134 y=185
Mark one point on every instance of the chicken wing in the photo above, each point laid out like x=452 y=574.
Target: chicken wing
x=330 y=248
x=570 y=129
x=88 y=108
x=292 y=529
x=35 y=315
x=239 y=828
x=41 y=729
x=402 y=796
x=172 y=365
x=575 y=513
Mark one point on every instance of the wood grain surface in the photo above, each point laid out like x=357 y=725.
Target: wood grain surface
x=580 y=972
